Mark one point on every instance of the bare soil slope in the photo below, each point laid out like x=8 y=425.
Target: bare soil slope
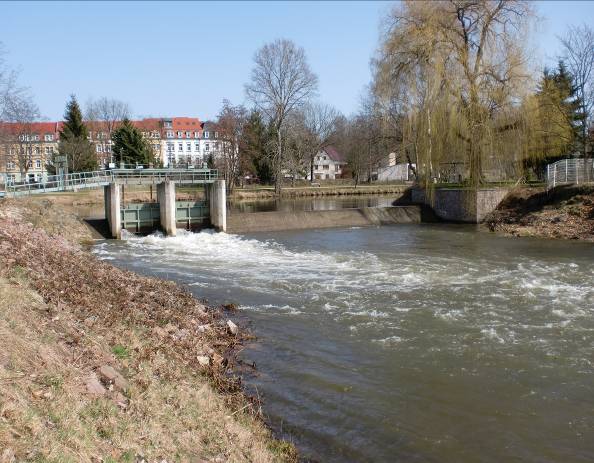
x=565 y=212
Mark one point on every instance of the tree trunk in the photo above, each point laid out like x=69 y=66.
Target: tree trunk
x=311 y=168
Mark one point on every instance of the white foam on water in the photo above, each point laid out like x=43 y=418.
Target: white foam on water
x=366 y=289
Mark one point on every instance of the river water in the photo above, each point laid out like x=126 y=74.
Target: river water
x=432 y=343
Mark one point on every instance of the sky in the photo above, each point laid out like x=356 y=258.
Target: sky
x=184 y=58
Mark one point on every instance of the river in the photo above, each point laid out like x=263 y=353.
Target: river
x=432 y=343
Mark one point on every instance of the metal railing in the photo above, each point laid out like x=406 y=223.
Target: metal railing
x=574 y=171
x=97 y=179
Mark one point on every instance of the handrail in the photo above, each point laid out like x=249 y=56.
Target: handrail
x=95 y=179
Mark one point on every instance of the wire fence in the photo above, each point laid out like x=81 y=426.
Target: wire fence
x=573 y=171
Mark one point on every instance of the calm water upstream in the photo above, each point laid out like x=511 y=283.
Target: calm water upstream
x=406 y=343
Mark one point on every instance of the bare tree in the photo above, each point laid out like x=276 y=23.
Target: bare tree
x=106 y=114
x=24 y=113
x=16 y=106
x=281 y=81
x=230 y=125
x=578 y=55
x=320 y=122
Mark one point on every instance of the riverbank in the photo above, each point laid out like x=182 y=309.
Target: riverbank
x=139 y=194
x=101 y=364
x=564 y=212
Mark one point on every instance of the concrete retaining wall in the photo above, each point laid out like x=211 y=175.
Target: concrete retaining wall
x=300 y=220
x=461 y=205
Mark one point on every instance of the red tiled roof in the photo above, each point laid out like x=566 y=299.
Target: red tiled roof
x=334 y=154
x=39 y=128
x=186 y=124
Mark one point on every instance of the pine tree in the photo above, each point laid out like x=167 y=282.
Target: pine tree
x=130 y=147
x=74 y=144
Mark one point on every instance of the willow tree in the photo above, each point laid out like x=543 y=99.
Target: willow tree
x=450 y=71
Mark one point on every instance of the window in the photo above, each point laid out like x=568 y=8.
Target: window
x=36 y=150
x=207 y=147
x=197 y=146
x=196 y=134
x=324 y=158
x=327 y=176
x=188 y=134
x=169 y=146
x=216 y=134
x=170 y=134
x=47 y=150
x=49 y=137
x=217 y=145
x=10 y=165
x=180 y=147
x=206 y=134
x=102 y=135
x=99 y=149
x=336 y=168
x=156 y=148
x=326 y=167
x=35 y=137
x=167 y=124
x=316 y=167
x=10 y=179
x=38 y=164
x=180 y=134
x=188 y=147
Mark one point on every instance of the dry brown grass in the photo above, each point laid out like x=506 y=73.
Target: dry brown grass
x=63 y=314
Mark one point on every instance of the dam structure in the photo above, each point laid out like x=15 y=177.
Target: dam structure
x=166 y=213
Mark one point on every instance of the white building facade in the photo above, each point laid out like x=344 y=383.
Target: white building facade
x=328 y=164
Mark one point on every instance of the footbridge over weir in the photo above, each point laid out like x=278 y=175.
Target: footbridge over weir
x=166 y=213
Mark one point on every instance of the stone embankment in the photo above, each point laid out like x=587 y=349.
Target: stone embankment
x=100 y=364
x=564 y=212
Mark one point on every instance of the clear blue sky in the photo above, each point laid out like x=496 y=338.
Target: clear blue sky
x=182 y=59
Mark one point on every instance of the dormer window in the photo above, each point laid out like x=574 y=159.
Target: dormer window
x=196 y=134
x=180 y=134
x=167 y=124
x=206 y=134
x=49 y=137
x=188 y=134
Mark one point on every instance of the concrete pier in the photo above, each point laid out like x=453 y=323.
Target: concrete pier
x=166 y=199
x=217 y=197
x=112 y=193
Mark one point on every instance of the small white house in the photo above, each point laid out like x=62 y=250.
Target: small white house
x=328 y=164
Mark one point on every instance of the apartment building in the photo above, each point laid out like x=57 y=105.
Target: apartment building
x=26 y=149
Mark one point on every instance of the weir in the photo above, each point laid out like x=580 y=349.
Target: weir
x=166 y=214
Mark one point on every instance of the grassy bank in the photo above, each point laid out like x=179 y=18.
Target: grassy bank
x=564 y=212
x=100 y=364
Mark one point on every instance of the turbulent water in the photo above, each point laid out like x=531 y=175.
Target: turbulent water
x=405 y=343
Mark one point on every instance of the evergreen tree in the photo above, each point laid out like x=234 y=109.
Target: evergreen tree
x=74 y=144
x=129 y=146
x=553 y=119
x=256 y=144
